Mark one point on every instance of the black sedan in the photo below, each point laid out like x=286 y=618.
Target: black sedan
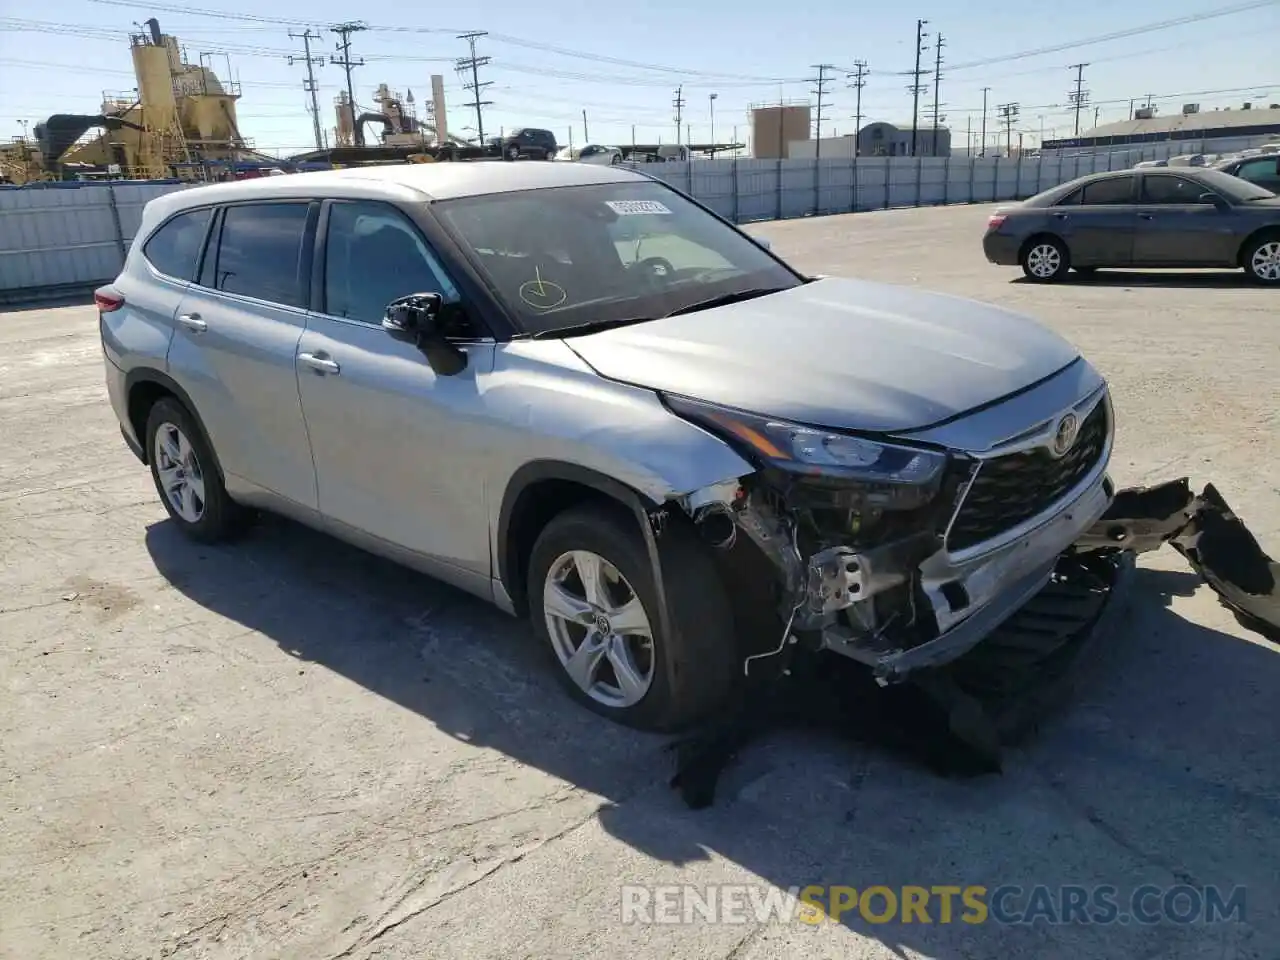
x=1152 y=218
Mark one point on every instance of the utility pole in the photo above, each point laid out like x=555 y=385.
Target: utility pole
x=711 y=102
x=309 y=85
x=678 y=103
x=1097 y=112
x=1008 y=116
x=916 y=88
x=474 y=63
x=859 y=78
x=1079 y=97
x=937 y=87
x=586 y=137
x=820 y=91
x=345 y=30
x=982 y=151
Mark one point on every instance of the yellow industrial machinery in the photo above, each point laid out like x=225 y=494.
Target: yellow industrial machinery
x=179 y=121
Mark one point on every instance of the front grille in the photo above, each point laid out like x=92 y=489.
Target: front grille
x=1011 y=489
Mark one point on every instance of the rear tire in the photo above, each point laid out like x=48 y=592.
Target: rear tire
x=1261 y=259
x=682 y=677
x=187 y=477
x=1045 y=260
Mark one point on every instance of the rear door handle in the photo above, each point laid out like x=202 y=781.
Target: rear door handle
x=1060 y=216
x=321 y=365
x=1146 y=216
x=193 y=322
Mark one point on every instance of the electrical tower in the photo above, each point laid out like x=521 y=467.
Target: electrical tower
x=916 y=87
x=345 y=30
x=858 y=80
x=309 y=85
x=678 y=105
x=473 y=64
x=937 y=88
x=1008 y=116
x=1079 y=97
x=820 y=91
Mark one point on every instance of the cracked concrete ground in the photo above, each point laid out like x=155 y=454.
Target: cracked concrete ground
x=287 y=748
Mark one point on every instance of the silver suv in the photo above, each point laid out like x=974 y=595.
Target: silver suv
x=576 y=392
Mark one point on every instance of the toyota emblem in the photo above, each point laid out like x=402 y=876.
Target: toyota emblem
x=1064 y=434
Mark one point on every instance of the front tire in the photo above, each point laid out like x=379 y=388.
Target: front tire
x=187 y=477
x=513 y=153
x=593 y=603
x=1045 y=260
x=1262 y=260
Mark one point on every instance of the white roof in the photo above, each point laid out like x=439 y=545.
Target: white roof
x=408 y=182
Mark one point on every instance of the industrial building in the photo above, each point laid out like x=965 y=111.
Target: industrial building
x=775 y=127
x=876 y=140
x=1191 y=123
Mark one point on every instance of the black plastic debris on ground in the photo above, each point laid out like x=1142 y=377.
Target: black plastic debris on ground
x=954 y=719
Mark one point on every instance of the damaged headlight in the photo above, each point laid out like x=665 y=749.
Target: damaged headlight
x=901 y=476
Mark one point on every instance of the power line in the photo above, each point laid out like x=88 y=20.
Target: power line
x=309 y=84
x=859 y=80
x=678 y=104
x=345 y=30
x=1079 y=97
x=937 y=87
x=474 y=63
x=820 y=91
x=916 y=88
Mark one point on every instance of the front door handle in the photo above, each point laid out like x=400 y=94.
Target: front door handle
x=1146 y=216
x=193 y=322
x=1060 y=216
x=321 y=365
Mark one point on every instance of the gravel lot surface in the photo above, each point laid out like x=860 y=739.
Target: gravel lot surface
x=287 y=748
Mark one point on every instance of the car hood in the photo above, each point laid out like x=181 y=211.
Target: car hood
x=837 y=353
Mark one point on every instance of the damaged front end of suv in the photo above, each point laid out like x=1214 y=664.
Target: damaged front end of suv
x=905 y=552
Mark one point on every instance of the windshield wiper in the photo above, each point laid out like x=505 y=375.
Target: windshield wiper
x=591 y=326
x=725 y=299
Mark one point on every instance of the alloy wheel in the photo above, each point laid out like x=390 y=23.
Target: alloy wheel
x=599 y=629
x=180 y=473
x=1044 y=260
x=1265 y=262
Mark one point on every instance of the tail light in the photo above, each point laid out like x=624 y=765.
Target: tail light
x=996 y=221
x=107 y=300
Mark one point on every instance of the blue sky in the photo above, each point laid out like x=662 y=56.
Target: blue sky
x=62 y=57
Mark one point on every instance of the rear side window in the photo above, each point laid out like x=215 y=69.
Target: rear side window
x=1257 y=169
x=1116 y=190
x=174 y=249
x=260 y=252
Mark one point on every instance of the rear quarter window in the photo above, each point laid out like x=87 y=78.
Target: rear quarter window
x=175 y=248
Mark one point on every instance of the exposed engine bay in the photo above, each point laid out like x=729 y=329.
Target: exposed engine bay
x=880 y=587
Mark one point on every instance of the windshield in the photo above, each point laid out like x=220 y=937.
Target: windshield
x=601 y=253
x=1234 y=187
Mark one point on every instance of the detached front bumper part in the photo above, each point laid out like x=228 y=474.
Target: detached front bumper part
x=1209 y=536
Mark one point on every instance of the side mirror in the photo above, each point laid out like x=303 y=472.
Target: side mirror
x=1214 y=199
x=416 y=319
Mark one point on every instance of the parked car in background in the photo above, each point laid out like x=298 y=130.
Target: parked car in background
x=1145 y=164
x=1264 y=170
x=592 y=153
x=1153 y=218
x=530 y=143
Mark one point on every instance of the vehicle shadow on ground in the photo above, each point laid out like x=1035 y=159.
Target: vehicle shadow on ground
x=1164 y=768
x=1214 y=280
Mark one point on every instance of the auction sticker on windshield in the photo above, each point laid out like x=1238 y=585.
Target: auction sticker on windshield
x=631 y=208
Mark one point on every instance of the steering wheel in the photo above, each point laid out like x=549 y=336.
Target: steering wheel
x=658 y=268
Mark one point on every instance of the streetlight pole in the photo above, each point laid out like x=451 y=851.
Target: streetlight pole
x=712 y=99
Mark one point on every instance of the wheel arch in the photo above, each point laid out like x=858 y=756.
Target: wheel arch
x=1267 y=231
x=539 y=491
x=144 y=388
